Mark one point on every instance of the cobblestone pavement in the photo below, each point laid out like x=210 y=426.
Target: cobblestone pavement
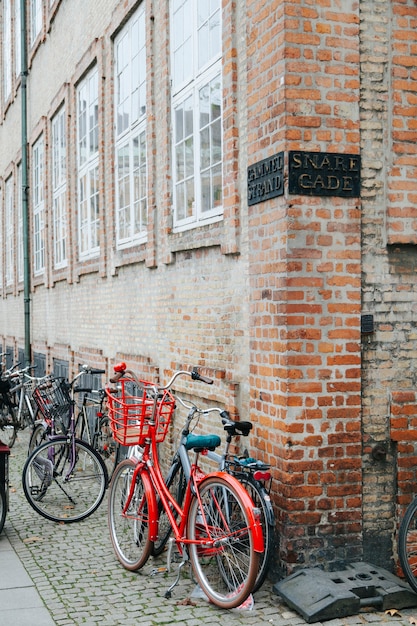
x=80 y=581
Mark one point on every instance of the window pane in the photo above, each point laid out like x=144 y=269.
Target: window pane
x=197 y=106
x=131 y=179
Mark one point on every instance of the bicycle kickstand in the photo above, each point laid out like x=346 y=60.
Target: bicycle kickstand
x=184 y=560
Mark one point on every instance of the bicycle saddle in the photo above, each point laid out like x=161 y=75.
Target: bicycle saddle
x=198 y=443
x=236 y=428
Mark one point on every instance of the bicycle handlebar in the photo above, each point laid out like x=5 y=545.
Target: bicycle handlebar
x=121 y=370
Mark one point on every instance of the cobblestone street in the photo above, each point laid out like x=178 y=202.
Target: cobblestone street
x=80 y=581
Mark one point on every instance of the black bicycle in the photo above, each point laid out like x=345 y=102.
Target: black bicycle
x=64 y=479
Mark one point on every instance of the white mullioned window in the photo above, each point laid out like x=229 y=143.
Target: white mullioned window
x=38 y=206
x=88 y=163
x=59 y=189
x=197 y=111
x=7 y=50
x=130 y=124
x=9 y=230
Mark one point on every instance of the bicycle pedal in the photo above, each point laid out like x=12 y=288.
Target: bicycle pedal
x=158 y=570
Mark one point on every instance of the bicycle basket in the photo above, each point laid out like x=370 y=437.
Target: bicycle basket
x=130 y=411
x=53 y=399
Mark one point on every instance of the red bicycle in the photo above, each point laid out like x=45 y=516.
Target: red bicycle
x=216 y=528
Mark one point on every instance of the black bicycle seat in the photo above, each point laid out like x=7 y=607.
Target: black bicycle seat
x=237 y=428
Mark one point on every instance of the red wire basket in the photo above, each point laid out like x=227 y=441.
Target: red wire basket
x=130 y=410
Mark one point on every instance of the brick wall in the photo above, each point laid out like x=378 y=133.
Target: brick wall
x=305 y=281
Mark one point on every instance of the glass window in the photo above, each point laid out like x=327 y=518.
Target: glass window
x=197 y=111
x=9 y=230
x=7 y=50
x=38 y=206
x=35 y=19
x=17 y=38
x=130 y=123
x=20 y=267
x=59 y=188
x=88 y=182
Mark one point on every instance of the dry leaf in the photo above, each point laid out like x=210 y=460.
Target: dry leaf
x=393 y=612
x=32 y=539
x=186 y=602
x=413 y=620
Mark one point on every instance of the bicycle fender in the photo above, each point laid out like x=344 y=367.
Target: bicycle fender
x=254 y=520
x=153 y=507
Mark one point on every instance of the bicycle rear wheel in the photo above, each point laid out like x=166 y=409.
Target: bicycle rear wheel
x=3 y=506
x=262 y=501
x=176 y=484
x=56 y=491
x=226 y=570
x=105 y=445
x=129 y=531
x=8 y=424
x=39 y=435
x=407 y=544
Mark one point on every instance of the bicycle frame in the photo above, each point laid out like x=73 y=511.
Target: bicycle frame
x=154 y=482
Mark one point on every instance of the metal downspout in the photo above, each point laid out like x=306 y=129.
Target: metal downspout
x=25 y=186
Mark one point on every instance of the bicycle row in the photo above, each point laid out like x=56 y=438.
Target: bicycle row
x=220 y=522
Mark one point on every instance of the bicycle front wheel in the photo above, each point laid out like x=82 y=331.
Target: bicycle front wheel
x=8 y=424
x=407 y=544
x=129 y=530
x=63 y=486
x=224 y=561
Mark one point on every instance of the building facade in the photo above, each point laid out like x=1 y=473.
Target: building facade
x=229 y=185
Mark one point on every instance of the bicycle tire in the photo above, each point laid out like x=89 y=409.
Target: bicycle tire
x=262 y=501
x=176 y=484
x=130 y=532
x=227 y=570
x=3 y=506
x=105 y=445
x=8 y=423
x=407 y=544
x=55 y=494
x=82 y=430
x=38 y=436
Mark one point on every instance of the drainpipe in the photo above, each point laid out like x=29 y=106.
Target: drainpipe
x=25 y=186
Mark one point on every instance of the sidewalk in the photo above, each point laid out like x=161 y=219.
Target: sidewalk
x=20 y=603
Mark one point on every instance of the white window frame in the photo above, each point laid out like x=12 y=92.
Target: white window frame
x=38 y=153
x=17 y=38
x=20 y=253
x=130 y=132
x=7 y=50
x=59 y=188
x=36 y=18
x=88 y=166
x=9 y=230
x=192 y=75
